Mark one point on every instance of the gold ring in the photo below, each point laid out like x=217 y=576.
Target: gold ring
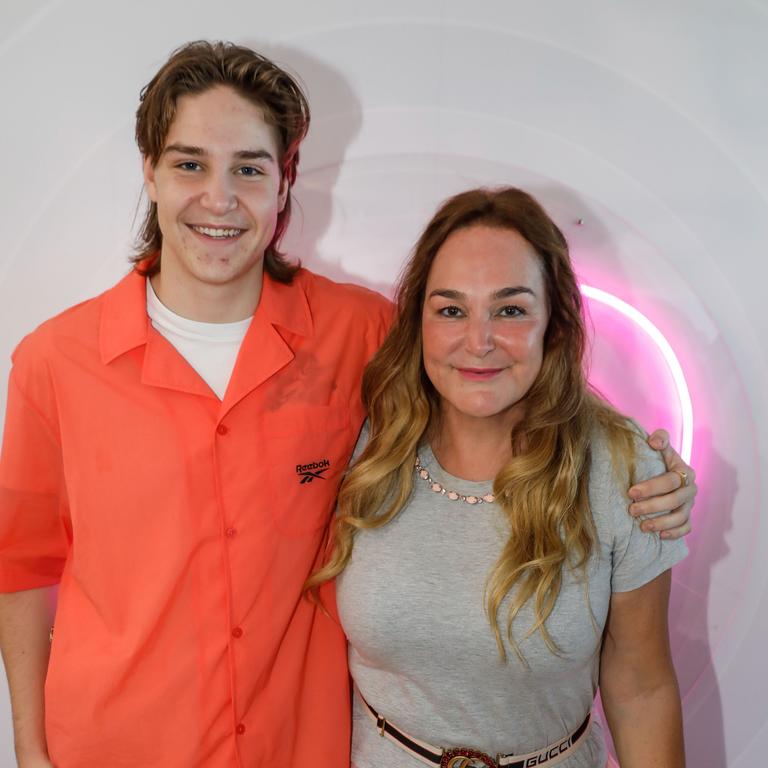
x=683 y=477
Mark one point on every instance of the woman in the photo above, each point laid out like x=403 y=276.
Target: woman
x=488 y=573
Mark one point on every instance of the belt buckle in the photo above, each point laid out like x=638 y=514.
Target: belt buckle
x=466 y=757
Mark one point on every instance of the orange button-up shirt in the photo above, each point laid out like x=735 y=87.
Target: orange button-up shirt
x=181 y=528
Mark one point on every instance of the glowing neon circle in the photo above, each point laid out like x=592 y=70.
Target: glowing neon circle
x=681 y=386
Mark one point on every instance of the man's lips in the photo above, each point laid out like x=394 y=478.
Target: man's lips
x=218 y=233
x=479 y=374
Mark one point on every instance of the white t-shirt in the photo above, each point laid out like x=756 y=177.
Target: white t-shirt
x=421 y=649
x=210 y=348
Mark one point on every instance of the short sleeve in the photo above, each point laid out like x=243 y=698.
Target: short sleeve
x=33 y=540
x=636 y=557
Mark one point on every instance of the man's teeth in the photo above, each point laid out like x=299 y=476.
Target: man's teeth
x=211 y=232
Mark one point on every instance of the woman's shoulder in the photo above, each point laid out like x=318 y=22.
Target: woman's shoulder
x=620 y=457
x=636 y=557
x=620 y=449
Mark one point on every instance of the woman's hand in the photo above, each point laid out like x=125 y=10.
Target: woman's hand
x=673 y=492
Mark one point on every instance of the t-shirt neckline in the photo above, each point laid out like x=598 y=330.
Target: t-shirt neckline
x=447 y=480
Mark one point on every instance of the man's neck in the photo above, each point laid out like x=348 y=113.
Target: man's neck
x=209 y=302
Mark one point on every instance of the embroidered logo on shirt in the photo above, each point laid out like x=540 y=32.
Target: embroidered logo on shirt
x=313 y=471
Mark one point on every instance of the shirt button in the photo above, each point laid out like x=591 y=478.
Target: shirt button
x=237 y=632
x=231 y=532
x=222 y=429
x=240 y=729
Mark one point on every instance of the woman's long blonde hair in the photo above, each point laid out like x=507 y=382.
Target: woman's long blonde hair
x=543 y=488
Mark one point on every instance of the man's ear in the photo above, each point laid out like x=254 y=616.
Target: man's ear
x=149 y=179
x=282 y=195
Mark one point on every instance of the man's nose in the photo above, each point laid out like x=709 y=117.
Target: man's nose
x=219 y=195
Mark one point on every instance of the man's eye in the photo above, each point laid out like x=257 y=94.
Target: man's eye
x=249 y=170
x=189 y=165
x=450 y=312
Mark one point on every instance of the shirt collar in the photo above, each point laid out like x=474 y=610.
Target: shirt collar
x=124 y=322
x=286 y=305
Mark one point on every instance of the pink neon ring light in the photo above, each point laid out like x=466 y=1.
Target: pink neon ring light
x=658 y=338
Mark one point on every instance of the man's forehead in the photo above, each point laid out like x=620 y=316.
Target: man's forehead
x=220 y=118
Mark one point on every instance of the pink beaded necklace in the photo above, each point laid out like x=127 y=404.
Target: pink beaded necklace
x=489 y=498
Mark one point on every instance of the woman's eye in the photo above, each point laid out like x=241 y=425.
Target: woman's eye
x=511 y=311
x=450 y=312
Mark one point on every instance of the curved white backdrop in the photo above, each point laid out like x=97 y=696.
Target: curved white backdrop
x=639 y=124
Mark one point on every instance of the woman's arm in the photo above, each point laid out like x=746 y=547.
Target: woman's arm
x=637 y=680
x=666 y=493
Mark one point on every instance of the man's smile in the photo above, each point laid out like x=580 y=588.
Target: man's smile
x=216 y=233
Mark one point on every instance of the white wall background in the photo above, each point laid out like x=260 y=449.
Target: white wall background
x=645 y=119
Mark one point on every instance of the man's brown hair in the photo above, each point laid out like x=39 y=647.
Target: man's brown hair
x=194 y=68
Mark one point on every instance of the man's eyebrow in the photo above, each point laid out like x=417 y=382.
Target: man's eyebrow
x=502 y=293
x=254 y=154
x=242 y=154
x=183 y=149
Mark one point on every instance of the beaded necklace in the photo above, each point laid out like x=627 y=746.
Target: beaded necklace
x=489 y=498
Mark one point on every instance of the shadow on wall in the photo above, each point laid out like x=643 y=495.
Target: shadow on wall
x=336 y=120
x=689 y=619
x=692 y=629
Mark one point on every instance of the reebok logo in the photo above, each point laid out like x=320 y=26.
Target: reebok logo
x=312 y=471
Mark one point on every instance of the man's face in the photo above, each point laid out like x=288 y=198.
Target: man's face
x=217 y=185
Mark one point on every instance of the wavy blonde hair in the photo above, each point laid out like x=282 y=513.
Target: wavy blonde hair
x=543 y=488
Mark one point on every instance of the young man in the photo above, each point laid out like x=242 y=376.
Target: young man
x=171 y=455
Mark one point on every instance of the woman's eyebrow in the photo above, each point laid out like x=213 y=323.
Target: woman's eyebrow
x=505 y=293
x=502 y=293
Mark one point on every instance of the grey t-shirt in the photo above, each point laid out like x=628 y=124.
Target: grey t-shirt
x=421 y=650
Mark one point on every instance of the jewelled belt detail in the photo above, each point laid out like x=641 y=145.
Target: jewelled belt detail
x=467 y=757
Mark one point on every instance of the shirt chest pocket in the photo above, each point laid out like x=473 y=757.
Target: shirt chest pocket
x=307 y=449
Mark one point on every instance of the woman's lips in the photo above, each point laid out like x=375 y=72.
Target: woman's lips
x=479 y=374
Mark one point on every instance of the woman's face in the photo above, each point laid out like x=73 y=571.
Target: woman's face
x=483 y=324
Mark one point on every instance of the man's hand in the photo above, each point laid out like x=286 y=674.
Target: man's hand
x=666 y=492
x=25 y=624
x=34 y=762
